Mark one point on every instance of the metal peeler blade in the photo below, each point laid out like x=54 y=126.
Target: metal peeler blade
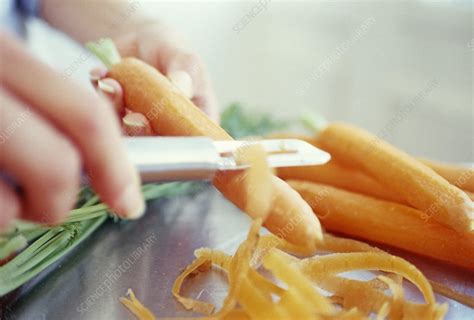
x=191 y=158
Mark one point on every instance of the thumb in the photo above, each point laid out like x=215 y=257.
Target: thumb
x=184 y=70
x=182 y=81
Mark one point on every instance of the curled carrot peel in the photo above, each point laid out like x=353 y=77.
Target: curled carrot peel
x=344 y=262
x=419 y=185
x=302 y=277
x=251 y=295
x=188 y=303
x=136 y=307
x=449 y=292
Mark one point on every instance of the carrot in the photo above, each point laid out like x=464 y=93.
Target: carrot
x=386 y=222
x=170 y=113
x=459 y=176
x=340 y=176
x=470 y=195
x=334 y=173
x=420 y=186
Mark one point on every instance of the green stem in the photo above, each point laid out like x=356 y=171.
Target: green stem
x=106 y=51
x=8 y=284
x=14 y=244
x=313 y=122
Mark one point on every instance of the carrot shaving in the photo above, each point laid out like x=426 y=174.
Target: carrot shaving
x=383 y=312
x=338 y=244
x=239 y=267
x=453 y=294
x=396 y=308
x=342 y=262
x=257 y=179
x=252 y=295
x=136 y=307
x=188 y=303
x=283 y=269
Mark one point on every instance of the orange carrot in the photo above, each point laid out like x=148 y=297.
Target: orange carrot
x=170 y=113
x=334 y=173
x=340 y=176
x=470 y=195
x=386 y=222
x=420 y=186
x=461 y=177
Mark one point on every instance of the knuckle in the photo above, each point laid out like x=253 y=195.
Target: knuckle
x=192 y=61
x=64 y=169
x=91 y=115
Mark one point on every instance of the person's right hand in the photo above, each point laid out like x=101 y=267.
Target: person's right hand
x=51 y=128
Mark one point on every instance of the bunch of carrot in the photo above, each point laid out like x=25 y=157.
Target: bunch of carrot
x=371 y=190
x=401 y=198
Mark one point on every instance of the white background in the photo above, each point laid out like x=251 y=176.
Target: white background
x=408 y=45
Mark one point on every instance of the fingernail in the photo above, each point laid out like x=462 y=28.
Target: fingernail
x=94 y=77
x=134 y=119
x=183 y=81
x=132 y=204
x=105 y=87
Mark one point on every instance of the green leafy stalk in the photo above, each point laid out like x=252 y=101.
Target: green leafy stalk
x=49 y=244
x=239 y=123
x=106 y=51
x=315 y=123
x=12 y=245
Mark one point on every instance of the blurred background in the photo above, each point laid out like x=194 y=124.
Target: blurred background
x=402 y=70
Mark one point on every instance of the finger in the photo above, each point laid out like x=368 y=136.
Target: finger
x=172 y=60
x=9 y=205
x=113 y=91
x=177 y=65
x=136 y=124
x=206 y=100
x=41 y=159
x=96 y=74
x=86 y=118
x=182 y=80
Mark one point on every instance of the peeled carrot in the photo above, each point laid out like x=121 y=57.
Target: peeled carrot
x=470 y=195
x=345 y=177
x=461 y=177
x=334 y=173
x=420 y=186
x=170 y=113
x=386 y=222
x=340 y=176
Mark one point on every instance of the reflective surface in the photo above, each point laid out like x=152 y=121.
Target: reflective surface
x=148 y=254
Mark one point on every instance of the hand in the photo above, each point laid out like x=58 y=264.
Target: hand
x=49 y=130
x=164 y=49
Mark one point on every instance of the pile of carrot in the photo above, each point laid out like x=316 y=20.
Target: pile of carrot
x=373 y=191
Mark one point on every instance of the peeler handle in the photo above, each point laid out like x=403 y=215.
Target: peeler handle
x=173 y=158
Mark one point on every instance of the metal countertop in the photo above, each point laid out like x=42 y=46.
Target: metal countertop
x=147 y=255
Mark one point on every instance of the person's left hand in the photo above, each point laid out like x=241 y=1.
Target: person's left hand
x=164 y=49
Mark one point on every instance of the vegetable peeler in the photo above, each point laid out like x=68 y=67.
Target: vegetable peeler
x=199 y=158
